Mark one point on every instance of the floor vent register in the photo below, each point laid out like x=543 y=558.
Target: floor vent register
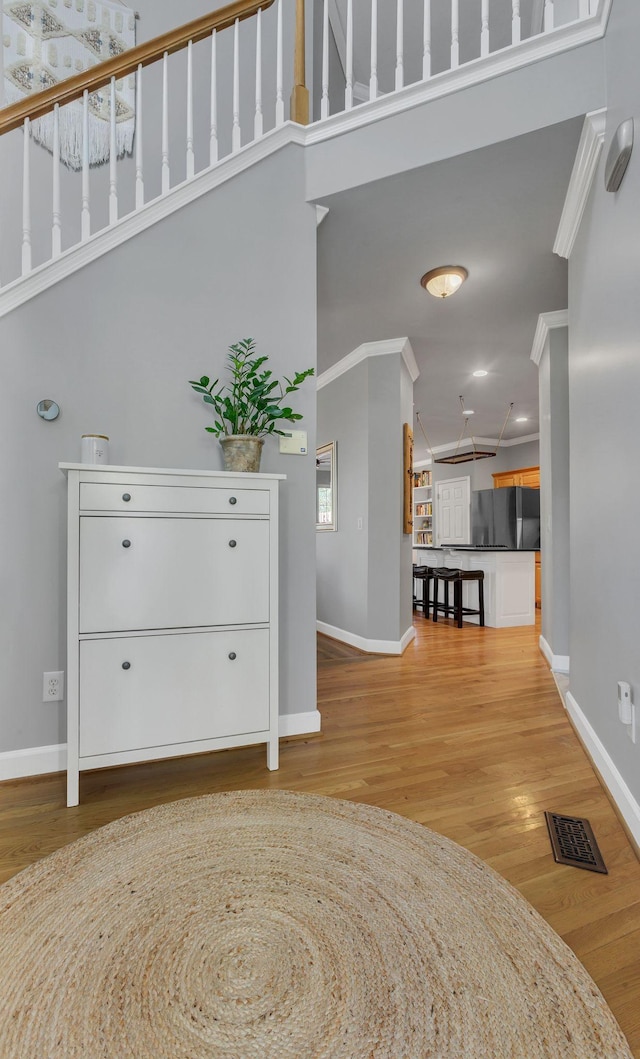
x=573 y=842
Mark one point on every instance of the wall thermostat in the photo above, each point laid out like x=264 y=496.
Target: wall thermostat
x=619 y=155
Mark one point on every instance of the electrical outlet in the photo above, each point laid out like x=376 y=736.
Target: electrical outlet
x=52 y=687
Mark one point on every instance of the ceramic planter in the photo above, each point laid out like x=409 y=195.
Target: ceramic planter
x=241 y=452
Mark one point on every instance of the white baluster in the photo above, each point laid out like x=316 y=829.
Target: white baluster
x=400 y=44
x=515 y=22
x=166 y=173
x=583 y=11
x=324 y=102
x=213 y=131
x=258 y=123
x=484 y=31
x=348 y=91
x=56 y=229
x=139 y=162
x=279 y=88
x=236 y=132
x=426 y=47
x=455 y=23
x=191 y=158
x=548 y=16
x=26 y=199
x=373 y=80
x=85 y=219
x=113 y=156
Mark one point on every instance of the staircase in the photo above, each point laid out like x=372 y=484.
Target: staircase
x=216 y=95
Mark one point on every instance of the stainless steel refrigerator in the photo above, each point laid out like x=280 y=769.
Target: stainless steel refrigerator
x=506 y=518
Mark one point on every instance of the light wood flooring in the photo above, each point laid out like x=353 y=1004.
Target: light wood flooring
x=465 y=733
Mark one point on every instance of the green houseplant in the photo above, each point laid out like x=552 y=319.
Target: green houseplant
x=248 y=407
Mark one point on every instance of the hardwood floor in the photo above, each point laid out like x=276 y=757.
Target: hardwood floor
x=465 y=733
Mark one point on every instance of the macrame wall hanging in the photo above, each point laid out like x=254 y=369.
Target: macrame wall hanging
x=45 y=41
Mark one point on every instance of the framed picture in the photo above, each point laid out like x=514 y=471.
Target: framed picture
x=407 y=465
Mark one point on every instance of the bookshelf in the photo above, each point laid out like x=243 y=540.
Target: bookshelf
x=422 y=509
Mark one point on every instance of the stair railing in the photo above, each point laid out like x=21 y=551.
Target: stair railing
x=98 y=84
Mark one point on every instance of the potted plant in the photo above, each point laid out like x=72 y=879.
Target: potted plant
x=249 y=407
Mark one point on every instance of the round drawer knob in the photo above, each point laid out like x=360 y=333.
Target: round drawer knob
x=126 y=497
x=233 y=500
x=232 y=544
x=126 y=544
x=126 y=665
x=232 y=656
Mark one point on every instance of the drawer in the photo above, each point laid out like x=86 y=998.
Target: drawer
x=172 y=573
x=103 y=496
x=176 y=689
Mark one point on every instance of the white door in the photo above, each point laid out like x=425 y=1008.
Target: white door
x=453 y=511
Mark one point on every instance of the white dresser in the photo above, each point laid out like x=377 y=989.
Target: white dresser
x=172 y=625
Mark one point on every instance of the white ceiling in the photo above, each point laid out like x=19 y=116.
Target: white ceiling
x=495 y=211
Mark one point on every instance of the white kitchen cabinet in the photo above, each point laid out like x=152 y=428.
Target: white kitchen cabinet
x=172 y=623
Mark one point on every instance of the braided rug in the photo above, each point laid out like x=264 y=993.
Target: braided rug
x=273 y=925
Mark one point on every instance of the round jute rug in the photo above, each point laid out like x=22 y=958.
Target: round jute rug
x=272 y=925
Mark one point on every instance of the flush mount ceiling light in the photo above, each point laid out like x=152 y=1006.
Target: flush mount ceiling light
x=522 y=419
x=480 y=373
x=444 y=281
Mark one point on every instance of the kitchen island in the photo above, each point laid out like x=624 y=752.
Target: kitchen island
x=509 y=580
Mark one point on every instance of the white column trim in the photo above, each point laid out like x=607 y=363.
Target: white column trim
x=623 y=799
x=371 y=349
x=546 y=322
x=373 y=647
x=557 y=663
x=581 y=180
x=299 y=723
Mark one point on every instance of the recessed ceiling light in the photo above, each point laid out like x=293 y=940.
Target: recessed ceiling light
x=444 y=281
x=480 y=374
x=522 y=419
x=469 y=412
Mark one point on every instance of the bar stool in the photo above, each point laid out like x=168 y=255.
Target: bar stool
x=456 y=577
x=424 y=574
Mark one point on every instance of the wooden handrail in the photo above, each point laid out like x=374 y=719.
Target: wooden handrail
x=39 y=103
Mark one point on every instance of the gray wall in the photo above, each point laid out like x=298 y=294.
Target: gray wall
x=342 y=556
x=364 y=582
x=604 y=380
x=115 y=345
x=554 y=491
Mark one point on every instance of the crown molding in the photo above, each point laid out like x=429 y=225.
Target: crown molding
x=581 y=181
x=371 y=349
x=546 y=323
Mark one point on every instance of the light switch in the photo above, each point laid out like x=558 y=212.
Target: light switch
x=294 y=443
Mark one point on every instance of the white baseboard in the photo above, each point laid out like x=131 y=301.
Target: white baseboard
x=300 y=723
x=35 y=761
x=372 y=647
x=40 y=760
x=558 y=663
x=621 y=795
